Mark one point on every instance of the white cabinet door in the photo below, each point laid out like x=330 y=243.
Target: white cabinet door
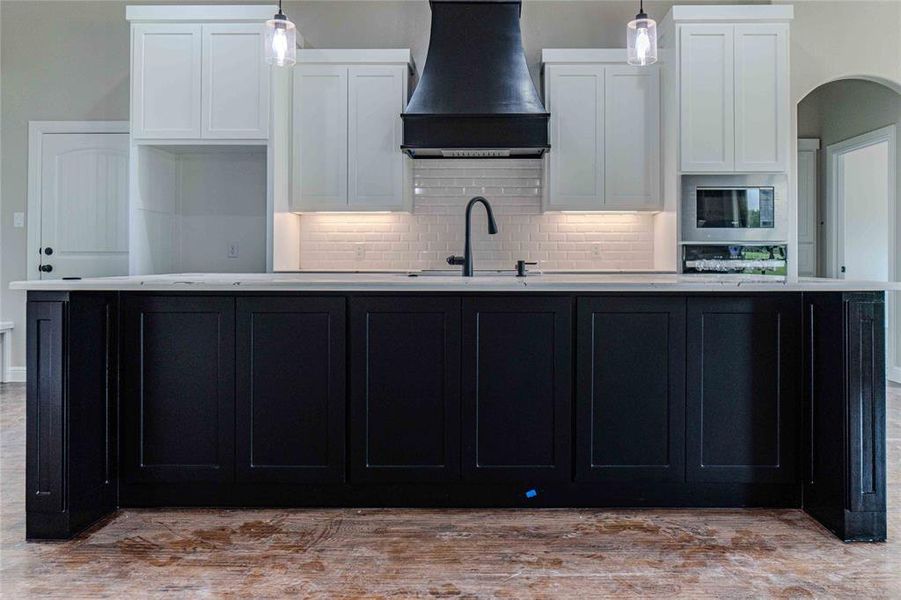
x=761 y=97
x=707 y=106
x=320 y=138
x=377 y=96
x=166 y=81
x=235 y=82
x=632 y=138
x=575 y=100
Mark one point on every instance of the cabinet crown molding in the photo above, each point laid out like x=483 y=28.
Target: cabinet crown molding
x=200 y=13
x=731 y=14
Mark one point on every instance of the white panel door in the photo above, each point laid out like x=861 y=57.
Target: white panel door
x=863 y=213
x=707 y=111
x=235 y=82
x=165 y=92
x=761 y=97
x=84 y=205
x=320 y=138
x=632 y=138
x=575 y=100
x=377 y=96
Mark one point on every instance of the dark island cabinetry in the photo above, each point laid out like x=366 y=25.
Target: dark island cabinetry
x=405 y=382
x=432 y=399
x=290 y=382
x=178 y=388
x=517 y=377
x=630 y=402
x=744 y=386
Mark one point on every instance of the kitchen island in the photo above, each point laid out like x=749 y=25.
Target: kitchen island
x=424 y=389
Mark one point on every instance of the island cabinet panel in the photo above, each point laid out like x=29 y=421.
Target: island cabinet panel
x=517 y=389
x=71 y=412
x=630 y=402
x=743 y=388
x=290 y=389
x=178 y=388
x=405 y=389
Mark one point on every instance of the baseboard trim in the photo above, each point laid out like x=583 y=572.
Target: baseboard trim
x=15 y=375
x=894 y=374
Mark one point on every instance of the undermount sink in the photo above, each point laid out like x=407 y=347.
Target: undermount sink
x=456 y=273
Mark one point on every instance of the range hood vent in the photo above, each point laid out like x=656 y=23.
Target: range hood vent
x=475 y=98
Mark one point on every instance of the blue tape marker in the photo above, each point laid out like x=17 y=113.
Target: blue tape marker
x=531 y=494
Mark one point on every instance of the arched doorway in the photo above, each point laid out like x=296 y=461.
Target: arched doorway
x=849 y=220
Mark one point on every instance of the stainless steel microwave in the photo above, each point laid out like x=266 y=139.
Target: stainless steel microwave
x=734 y=208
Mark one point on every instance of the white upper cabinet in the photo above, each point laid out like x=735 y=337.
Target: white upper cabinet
x=632 y=138
x=347 y=131
x=734 y=97
x=198 y=80
x=707 y=123
x=604 y=132
x=575 y=99
x=376 y=98
x=165 y=91
x=761 y=97
x=320 y=137
x=235 y=81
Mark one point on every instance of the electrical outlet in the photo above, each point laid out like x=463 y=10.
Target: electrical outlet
x=596 y=250
x=359 y=252
x=233 y=249
x=18 y=220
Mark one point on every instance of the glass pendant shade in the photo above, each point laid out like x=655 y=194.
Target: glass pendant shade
x=641 y=40
x=281 y=41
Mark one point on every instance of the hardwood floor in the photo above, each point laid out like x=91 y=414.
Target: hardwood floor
x=340 y=553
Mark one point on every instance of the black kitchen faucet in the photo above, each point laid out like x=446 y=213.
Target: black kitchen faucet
x=466 y=259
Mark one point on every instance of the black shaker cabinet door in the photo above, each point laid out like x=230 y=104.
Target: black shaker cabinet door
x=178 y=384
x=517 y=389
x=743 y=392
x=630 y=419
x=405 y=389
x=290 y=389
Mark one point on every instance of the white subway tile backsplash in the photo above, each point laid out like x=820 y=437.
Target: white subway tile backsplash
x=423 y=239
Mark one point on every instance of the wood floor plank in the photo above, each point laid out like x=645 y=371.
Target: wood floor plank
x=399 y=553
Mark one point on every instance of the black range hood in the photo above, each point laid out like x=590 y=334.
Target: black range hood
x=475 y=97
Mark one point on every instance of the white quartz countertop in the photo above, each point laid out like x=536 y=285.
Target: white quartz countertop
x=451 y=281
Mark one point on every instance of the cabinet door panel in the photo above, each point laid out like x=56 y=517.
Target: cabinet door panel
x=707 y=109
x=178 y=389
x=517 y=388
x=45 y=417
x=630 y=418
x=165 y=81
x=744 y=369
x=290 y=405
x=632 y=138
x=320 y=138
x=405 y=389
x=235 y=82
x=576 y=170
x=377 y=97
x=761 y=97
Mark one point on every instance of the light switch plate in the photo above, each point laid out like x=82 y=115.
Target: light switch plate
x=18 y=220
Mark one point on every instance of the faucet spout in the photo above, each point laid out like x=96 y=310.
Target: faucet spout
x=466 y=259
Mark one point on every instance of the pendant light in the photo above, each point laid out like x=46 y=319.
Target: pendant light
x=641 y=39
x=281 y=40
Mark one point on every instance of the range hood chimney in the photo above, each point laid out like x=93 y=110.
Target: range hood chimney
x=475 y=97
